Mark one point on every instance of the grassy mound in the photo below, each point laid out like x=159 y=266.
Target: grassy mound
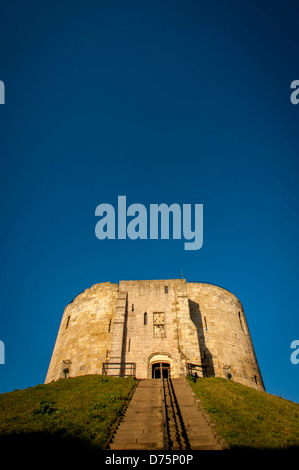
x=247 y=418
x=75 y=412
x=78 y=414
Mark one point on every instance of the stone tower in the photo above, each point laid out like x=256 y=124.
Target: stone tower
x=145 y=328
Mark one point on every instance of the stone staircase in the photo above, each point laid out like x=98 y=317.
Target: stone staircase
x=141 y=427
x=200 y=432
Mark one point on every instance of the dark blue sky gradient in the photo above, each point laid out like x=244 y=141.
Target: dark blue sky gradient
x=161 y=101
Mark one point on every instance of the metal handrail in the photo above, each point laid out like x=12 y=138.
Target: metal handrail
x=121 y=367
x=180 y=417
x=164 y=415
x=197 y=367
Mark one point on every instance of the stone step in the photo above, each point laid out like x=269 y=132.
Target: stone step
x=155 y=410
x=200 y=434
x=141 y=427
x=150 y=445
x=142 y=419
x=140 y=440
x=138 y=432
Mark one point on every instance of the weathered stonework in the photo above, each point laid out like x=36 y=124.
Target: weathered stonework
x=149 y=322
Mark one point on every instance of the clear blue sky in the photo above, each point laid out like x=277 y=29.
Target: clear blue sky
x=161 y=101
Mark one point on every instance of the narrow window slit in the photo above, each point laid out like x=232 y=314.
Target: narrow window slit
x=240 y=320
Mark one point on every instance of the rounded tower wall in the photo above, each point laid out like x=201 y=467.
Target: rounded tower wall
x=84 y=335
x=224 y=339
x=129 y=323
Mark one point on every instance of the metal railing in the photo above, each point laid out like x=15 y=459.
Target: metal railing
x=164 y=413
x=171 y=411
x=200 y=369
x=119 y=369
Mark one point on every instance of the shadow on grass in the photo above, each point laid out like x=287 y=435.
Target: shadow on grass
x=254 y=449
x=45 y=443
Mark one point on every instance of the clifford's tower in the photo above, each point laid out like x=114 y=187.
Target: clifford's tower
x=145 y=328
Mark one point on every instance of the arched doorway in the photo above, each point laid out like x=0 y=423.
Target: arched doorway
x=160 y=368
x=154 y=361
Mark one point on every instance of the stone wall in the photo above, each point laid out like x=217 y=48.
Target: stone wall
x=224 y=339
x=153 y=325
x=145 y=322
x=84 y=337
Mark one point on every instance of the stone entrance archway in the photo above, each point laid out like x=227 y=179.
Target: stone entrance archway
x=156 y=361
x=160 y=368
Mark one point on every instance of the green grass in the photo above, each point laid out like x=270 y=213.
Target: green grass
x=247 y=418
x=80 y=410
x=80 y=413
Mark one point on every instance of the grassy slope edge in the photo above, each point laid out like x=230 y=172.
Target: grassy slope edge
x=75 y=411
x=248 y=418
x=82 y=411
